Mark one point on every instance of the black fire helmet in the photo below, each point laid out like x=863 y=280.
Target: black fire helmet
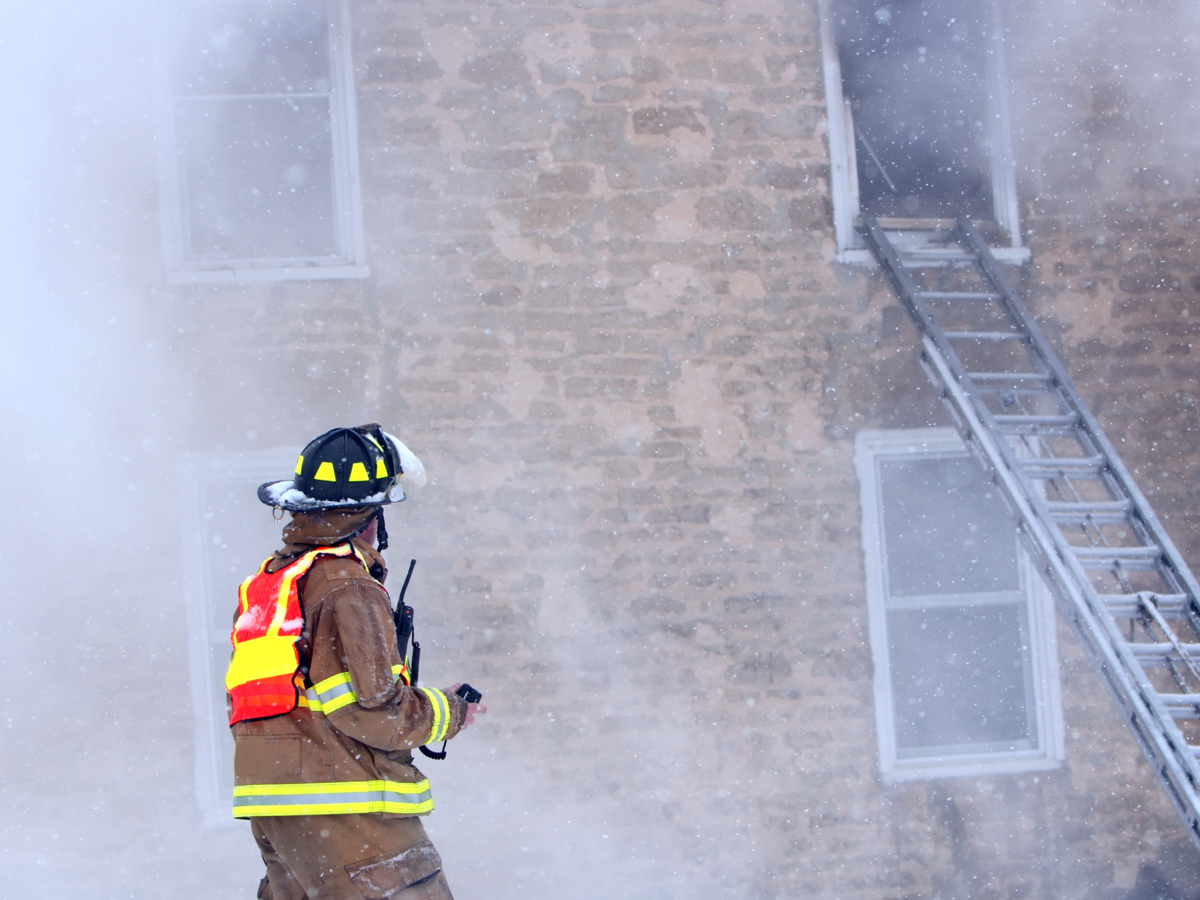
x=361 y=466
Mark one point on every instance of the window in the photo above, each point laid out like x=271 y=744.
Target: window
x=259 y=158
x=918 y=116
x=227 y=534
x=961 y=628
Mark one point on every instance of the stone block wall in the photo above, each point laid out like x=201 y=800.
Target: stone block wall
x=604 y=309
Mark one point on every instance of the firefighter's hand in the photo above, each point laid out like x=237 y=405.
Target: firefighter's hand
x=473 y=709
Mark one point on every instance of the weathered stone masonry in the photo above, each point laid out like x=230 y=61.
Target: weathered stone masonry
x=604 y=308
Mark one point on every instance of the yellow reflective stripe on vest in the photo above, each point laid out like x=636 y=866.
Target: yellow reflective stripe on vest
x=243 y=595
x=333 y=693
x=332 y=798
x=261 y=657
x=293 y=570
x=441 y=714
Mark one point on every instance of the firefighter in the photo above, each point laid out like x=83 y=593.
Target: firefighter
x=323 y=713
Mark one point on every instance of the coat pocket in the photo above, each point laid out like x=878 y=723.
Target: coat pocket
x=386 y=875
x=267 y=759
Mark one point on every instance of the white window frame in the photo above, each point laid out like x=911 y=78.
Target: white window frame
x=350 y=261
x=213 y=741
x=843 y=164
x=871 y=447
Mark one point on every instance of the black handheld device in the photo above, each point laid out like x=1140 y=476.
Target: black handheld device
x=403 y=617
x=469 y=693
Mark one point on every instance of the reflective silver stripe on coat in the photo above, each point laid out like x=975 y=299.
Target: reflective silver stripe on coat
x=331 y=694
x=332 y=798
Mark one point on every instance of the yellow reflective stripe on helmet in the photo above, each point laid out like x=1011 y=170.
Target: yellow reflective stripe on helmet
x=332 y=798
x=441 y=714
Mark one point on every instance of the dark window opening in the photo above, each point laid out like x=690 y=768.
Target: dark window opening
x=915 y=75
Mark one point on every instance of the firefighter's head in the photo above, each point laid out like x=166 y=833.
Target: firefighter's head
x=348 y=467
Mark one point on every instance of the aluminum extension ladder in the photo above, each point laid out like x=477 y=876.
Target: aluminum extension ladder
x=1113 y=570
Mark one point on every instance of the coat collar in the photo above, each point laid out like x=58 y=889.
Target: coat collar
x=326 y=528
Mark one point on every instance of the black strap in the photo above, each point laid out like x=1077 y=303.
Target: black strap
x=434 y=754
x=382 y=538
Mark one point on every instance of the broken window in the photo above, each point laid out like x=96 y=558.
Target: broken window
x=259 y=157
x=960 y=627
x=228 y=533
x=913 y=74
x=917 y=113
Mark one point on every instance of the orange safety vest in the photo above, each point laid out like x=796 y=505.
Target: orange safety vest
x=263 y=673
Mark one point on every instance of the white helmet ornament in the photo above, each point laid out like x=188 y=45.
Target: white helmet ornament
x=412 y=471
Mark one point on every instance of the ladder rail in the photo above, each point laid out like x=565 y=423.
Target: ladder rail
x=1122 y=674
x=1016 y=308
x=1146 y=712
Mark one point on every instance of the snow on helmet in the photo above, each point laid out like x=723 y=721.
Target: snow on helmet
x=360 y=466
x=412 y=472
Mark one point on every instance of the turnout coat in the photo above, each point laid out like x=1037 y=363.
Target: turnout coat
x=346 y=748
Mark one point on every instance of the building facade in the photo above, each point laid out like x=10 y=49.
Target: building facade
x=585 y=259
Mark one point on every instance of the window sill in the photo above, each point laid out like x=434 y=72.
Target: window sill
x=255 y=275
x=960 y=767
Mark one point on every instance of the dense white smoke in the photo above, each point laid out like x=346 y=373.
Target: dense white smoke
x=100 y=394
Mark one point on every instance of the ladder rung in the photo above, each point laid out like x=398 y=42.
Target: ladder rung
x=1126 y=605
x=1150 y=552
x=910 y=255
x=1163 y=650
x=1053 y=467
x=984 y=335
x=1009 y=376
x=1181 y=703
x=959 y=295
x=1014 y=390
x=1108 y=512
x=1037 y=430
x=1069 y=419
x=1129 y=557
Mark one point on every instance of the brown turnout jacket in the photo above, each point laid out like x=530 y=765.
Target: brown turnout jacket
x=348 y=628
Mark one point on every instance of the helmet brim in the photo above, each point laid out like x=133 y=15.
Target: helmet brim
x=285 y=495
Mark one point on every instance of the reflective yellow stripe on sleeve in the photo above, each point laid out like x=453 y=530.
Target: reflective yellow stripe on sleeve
x=333 y=693
x=441 y=714
x=332 y=798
